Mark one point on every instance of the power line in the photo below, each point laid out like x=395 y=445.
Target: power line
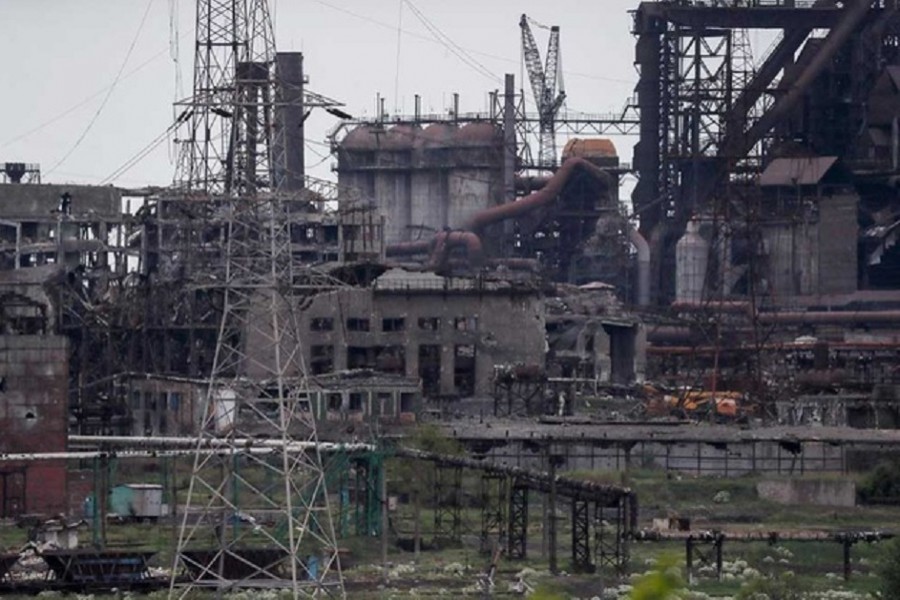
x=112 y=88
x=141 y=154
x=452 y=46
x=417 y=35
x=81 y=103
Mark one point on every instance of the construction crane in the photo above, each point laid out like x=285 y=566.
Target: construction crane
x=546 y=85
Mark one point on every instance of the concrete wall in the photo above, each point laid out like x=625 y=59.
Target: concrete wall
x=814 y=251
x=34 y=376
x=691 y=458
x=42 y=202
x=817 y=492
x=838 y=233
x=503 y=328
x=424 y=179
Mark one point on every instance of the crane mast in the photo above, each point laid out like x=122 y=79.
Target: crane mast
x=546 y=86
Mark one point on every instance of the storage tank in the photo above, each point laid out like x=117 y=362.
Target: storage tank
x=600 y=151
x=356 y=155
x=393 y=181
x=691 y=261
x=429 y=194
x=476 y=180
x=377 y=162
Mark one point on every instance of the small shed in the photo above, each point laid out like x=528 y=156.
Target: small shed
x=137 y=500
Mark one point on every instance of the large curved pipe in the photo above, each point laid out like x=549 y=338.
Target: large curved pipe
x=445 y=241
x=642 y=295
x=836 y=38
x=409 y=248
x=542 y=197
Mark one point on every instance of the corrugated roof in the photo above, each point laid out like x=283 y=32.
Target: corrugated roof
x=796 y=171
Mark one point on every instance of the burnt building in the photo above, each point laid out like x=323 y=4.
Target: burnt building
x=447 y=332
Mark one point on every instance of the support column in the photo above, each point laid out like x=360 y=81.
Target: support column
x=494 y=498
x=581 y=536
x=517 y=541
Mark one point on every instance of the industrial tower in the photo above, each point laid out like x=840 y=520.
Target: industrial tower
x=545 y=81
x=256 y=513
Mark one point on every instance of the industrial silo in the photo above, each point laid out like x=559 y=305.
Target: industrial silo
x=393 y=181
x=377 y=162
x=433 y=155
x=475 y=181
x=691 y=261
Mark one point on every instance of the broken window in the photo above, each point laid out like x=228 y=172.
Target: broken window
x=391 y=359
x=430 y=369
x=407 y=402
x=357 y=324
x=465 y=323
x=321 y=324
x=393 y=324
x=321 y=359
x=356 y=402
x=429 y=323
x=464 y=370
x=385 y=407
x=335 y=402
x=360 y=357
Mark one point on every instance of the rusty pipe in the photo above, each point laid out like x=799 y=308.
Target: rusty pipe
x=836 y=38
x=798 y=317
x=540 y=198
x=409 y=248
x=445 y=241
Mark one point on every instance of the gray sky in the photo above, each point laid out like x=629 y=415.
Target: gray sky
x=62 y=57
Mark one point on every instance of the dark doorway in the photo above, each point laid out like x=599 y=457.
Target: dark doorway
x=430 y=369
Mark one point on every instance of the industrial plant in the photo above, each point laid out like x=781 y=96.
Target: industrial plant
x=431 y=348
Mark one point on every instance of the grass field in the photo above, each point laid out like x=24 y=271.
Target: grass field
x=459 y=570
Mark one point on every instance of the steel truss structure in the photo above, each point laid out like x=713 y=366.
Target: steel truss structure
x=268 y=521
x=494 y=500
x=517 y=539
x=614 y=524
x=447 y=503
x=230 y=115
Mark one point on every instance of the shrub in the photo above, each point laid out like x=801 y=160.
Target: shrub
x=770 y=588
x=663 y=583
x=889 y=569
x=882 y=483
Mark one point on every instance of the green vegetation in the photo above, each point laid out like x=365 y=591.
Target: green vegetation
x=882 y=484
x=785 y=587
x=889 y=570
x=663 y=583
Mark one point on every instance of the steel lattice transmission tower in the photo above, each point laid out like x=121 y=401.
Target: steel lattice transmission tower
x=546 y=85
x=256 y=513
x=230 y=119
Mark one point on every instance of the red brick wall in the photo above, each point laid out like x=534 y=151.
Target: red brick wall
x=34 y=414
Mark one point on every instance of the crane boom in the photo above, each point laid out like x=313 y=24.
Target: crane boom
x=544 y=78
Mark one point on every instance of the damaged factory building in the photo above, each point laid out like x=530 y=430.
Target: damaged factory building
x=454 y=258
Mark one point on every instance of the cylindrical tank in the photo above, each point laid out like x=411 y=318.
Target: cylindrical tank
x=476 y=180
x=393 y=179
x=356 y=154
x=377 y=162
x=691 y=261
x=432 y=159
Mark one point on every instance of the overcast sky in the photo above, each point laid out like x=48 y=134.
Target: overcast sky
x=62 y=57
